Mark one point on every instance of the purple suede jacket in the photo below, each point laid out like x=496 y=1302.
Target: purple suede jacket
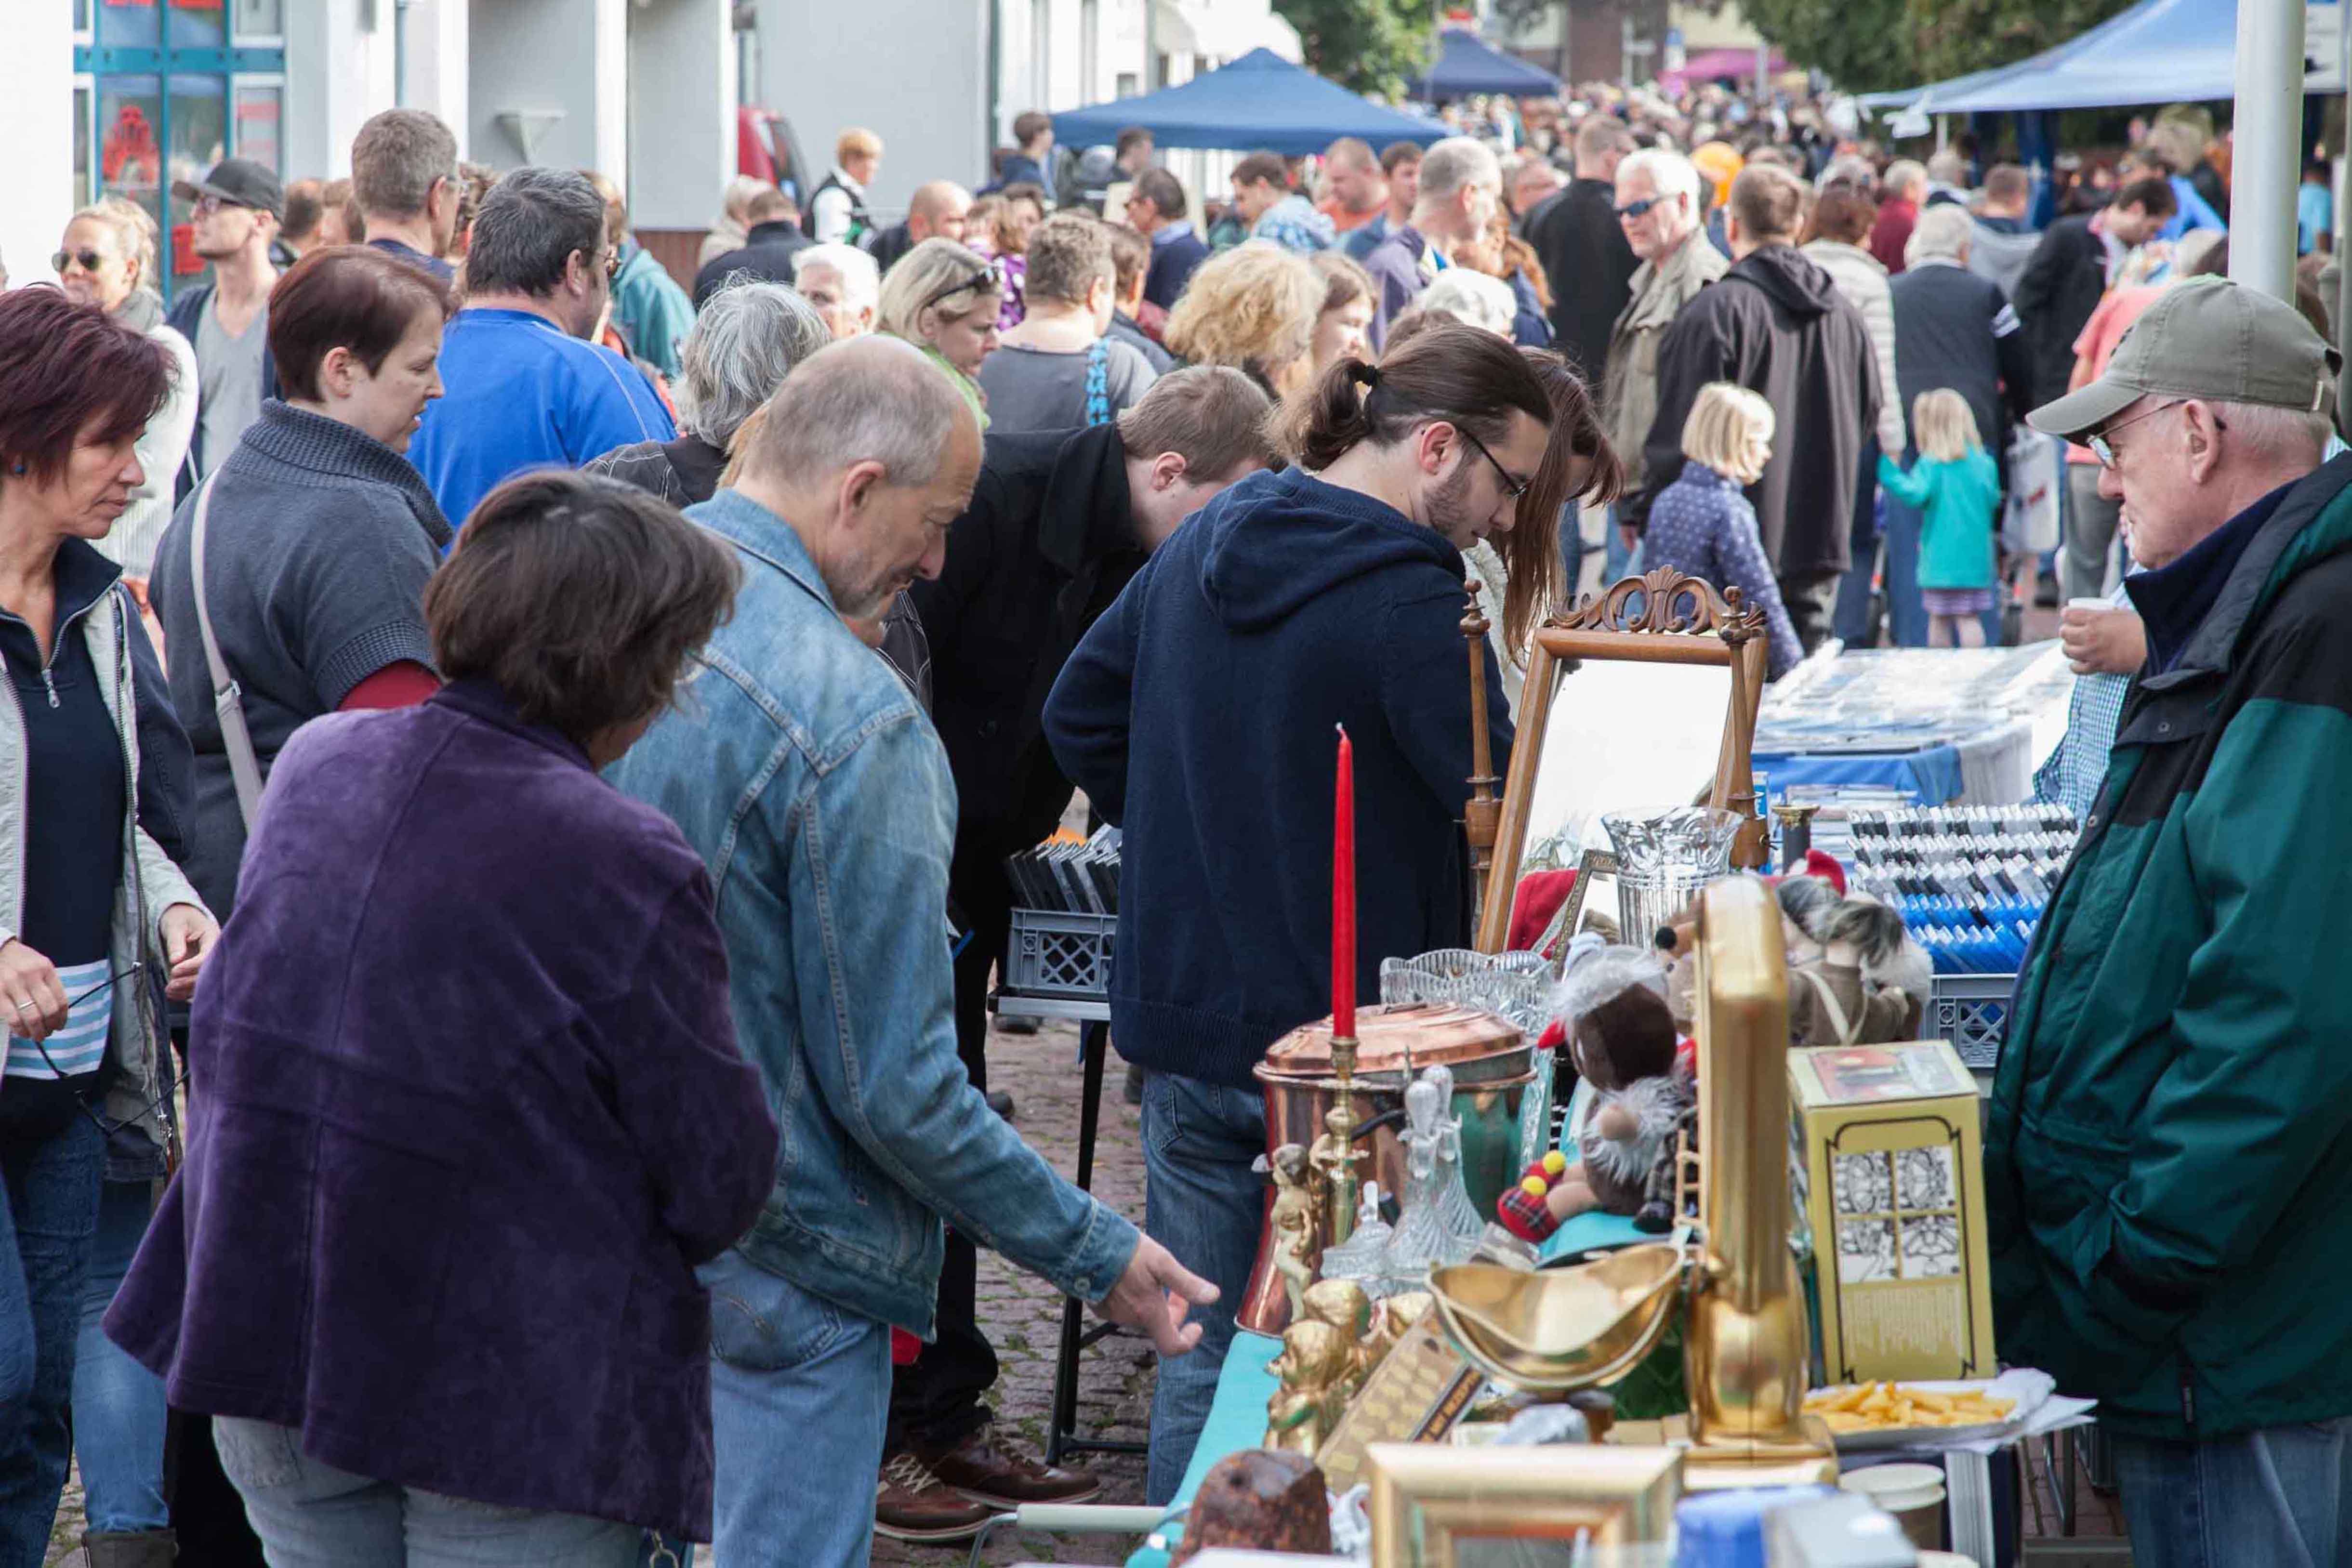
x=466 y=1111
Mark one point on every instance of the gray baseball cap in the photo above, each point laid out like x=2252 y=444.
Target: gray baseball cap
x=2205 y=337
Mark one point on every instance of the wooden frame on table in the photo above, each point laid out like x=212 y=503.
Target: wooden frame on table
x=1683 y=620
x=1428 y=1498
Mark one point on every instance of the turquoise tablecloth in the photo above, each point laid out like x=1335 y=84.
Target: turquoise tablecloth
x=1237 y=1418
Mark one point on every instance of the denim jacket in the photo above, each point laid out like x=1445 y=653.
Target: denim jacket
x=818 y=794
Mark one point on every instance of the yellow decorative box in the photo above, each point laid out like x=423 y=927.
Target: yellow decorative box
x=1887 y=1164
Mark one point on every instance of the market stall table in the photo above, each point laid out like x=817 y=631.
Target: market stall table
x=1237 y=1418
x=1927 y=726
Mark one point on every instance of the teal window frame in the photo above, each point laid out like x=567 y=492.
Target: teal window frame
x=96 y=60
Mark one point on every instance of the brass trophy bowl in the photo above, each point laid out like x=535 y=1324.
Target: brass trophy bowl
x=1554 y=1331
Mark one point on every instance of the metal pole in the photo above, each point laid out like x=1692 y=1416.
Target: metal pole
x=2265 y=164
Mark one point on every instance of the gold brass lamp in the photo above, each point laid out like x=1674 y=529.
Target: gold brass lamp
x=1746 y=1339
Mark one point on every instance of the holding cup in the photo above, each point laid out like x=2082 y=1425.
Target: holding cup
x=2101 y=638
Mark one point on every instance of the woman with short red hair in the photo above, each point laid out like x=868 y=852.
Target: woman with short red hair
x=319 y=535
x=88 y=899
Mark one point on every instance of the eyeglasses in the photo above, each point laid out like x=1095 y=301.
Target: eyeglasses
x=2100 y=442
x=990 y=276
x=209 y=203
x=612 y=264
x=1514 y=489
x=90 y=260
x=1639 y=209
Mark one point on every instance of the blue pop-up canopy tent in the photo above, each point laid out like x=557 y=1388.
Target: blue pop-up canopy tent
x=1260 y=102
x=1467 y=64
x=2159 y=51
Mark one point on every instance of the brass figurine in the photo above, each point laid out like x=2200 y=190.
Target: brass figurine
x=1314 y=1366
x=1343 y=1304
x=1293 y=1220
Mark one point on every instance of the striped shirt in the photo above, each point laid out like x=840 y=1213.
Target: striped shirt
x=80 y=1046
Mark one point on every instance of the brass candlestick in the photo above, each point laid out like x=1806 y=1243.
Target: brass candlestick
x=1481 y=818
x=1335 y=1153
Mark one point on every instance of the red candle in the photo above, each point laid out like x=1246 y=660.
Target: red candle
x=1343 y=893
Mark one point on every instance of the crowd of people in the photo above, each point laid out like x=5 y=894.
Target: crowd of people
x=521 y=749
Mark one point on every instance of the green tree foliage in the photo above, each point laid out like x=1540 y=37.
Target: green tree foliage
x=1952 y=37
x=1867 y=46
x=1365 y=46
x=1861 y=44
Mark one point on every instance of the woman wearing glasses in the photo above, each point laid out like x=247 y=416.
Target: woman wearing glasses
x=108 y=259
x=88 y=900
x=944 y=300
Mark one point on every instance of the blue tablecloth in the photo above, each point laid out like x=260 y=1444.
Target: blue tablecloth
x=1237 y=1416
x=1930 y=775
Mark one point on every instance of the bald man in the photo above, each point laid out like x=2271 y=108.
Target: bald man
x=843 y=996
x=934 y=211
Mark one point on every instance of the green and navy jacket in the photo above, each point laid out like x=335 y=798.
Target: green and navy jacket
x=2168 y=1155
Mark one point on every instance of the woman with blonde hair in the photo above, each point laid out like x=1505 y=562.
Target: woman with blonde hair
x=1703 y=524
x=108 y=259
x=1255 y=308
x=1958 y=485
x=945 y=300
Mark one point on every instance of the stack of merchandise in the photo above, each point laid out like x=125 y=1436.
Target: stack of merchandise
x=1068 y=875
x=1970 y=881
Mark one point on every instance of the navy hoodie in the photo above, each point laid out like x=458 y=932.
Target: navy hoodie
x=1200 y=713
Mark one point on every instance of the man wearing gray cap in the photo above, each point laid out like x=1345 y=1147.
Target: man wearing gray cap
x=234 y=213
x=2170 y=1135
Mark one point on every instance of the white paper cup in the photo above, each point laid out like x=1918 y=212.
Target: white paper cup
x=2094 y=605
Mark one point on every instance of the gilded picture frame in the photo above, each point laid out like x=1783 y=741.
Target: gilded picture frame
x=1429 y=1501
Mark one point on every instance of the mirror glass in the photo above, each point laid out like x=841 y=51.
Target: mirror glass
x=1623 y=737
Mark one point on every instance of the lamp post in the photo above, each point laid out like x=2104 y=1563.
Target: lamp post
x=2266 y=159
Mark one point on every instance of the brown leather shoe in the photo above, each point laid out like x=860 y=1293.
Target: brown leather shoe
x=912 y=1503
x=985 y=1470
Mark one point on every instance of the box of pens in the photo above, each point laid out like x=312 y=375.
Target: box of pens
x=1970 y=880
x=1065 y=915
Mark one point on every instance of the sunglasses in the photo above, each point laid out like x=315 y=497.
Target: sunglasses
x=90 y=260
x=209 y=203
x=1631 y=210
x=990 y=276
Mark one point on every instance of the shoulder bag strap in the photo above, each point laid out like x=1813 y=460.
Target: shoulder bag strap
x=229 y=702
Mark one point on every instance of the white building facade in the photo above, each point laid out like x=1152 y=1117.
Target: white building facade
x=123 y=97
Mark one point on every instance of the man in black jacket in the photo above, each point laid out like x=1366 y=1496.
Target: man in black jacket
x=2070 y=269
x=1776 y=325
x=768 y=249
x=1582 y=246
x=1057 y=524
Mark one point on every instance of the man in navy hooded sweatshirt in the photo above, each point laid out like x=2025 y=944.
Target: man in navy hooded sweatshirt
x=1201 y=714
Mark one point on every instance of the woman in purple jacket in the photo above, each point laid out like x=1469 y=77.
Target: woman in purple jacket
x=465 y=1104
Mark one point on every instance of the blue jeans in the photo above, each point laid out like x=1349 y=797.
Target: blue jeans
x=2280 y=1497
x=1204 y=1202
x=1617 y=556
x=45 y=1228
x=118 y=1405
x=800 y=1390
x=311 y=1515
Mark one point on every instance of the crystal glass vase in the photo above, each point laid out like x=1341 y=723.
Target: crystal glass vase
x=1664 y=858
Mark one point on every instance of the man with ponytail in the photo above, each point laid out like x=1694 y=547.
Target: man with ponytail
x=1201 y=713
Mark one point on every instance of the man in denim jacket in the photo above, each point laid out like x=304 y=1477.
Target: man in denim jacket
x=820 y=796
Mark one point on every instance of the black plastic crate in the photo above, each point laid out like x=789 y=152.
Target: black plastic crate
x=1051 y=953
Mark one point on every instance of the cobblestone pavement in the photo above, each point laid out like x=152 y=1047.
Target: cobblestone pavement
x=1023 y=1316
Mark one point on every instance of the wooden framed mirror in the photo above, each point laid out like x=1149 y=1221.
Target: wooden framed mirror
x=1669 y=674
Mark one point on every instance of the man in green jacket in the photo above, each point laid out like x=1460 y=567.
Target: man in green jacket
x=2170 y=1137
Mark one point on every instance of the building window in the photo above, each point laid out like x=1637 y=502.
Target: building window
x=166 y=89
